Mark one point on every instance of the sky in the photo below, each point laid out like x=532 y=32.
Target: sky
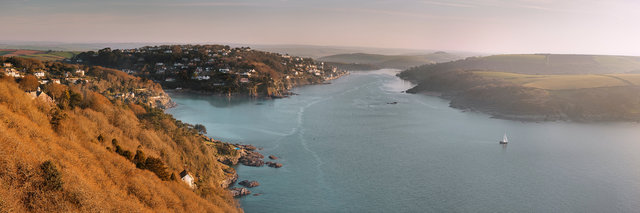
x=495 y=26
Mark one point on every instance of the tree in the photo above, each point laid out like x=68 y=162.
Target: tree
x=157 y=166
x=29 y=83
x=75 y=99
x=139 y=159
x=57 y=116
x=57 y=91
x=201 y=128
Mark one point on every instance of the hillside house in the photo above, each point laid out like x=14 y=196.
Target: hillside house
x=39 y=74
x=40 y=95
x=244 y=80
x=7 y=64
x=14 y=73
x=223 y=70
x=187 y=178
x=79 y=72
x=202 y=77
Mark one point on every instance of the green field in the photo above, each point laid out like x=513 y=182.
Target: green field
x=564 y=82
x=40 y=55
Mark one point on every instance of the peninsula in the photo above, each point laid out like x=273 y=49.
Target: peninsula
x=541 y=87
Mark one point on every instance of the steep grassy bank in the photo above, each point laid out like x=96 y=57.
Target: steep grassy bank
x=90 y=153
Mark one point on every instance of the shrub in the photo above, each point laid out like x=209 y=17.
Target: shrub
x=52 y=177
x=139 y=159
x=57 y=116
x=201 y=128
x=29 y=83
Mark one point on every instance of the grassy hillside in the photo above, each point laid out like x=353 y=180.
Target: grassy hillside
x=38 y=54
x=390 y=61
x=77 y=155
x=564 y=82
x=607 y=91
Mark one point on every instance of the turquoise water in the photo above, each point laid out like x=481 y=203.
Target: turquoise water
x=344 y=149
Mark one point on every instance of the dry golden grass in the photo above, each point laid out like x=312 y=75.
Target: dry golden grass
x=95 y=179
x=564 y=82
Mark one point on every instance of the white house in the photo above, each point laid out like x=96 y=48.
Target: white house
x=224 y=70
x=187 y=178
x=39 y=74
x=14 y=73
x=201 y=77
x=80 y=72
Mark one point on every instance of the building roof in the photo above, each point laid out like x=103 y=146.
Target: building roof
x=184 y=173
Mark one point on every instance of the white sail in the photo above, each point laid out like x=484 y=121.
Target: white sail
x=504 y=138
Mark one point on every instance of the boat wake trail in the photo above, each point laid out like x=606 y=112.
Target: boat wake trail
x=299 y=131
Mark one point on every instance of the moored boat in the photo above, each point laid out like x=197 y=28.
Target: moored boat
x=504 y=139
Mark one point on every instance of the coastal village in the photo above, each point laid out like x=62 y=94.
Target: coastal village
x=214 y=69
x=111 y=83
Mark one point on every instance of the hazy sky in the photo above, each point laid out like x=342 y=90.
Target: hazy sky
x=510 y=26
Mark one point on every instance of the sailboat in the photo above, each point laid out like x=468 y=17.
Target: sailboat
x=504 y=139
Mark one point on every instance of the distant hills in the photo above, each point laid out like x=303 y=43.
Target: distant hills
x=389 y=61
x=547 y=64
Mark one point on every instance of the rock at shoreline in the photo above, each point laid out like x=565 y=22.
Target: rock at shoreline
x=249 y=184
x=274 y=164
x=252 y=159
x=230 y=179
x=237 y=192
x=273 y=157
x=247 y=147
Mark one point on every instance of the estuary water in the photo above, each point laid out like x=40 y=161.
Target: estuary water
x=345 y=148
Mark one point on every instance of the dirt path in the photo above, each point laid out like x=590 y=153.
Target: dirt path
x=621 y=79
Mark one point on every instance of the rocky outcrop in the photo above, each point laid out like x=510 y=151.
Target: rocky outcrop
x=162 y=101
x=247 y=147
x=274 y=164
x=251 y=158
x=272 y=157
x=229 y=179
x=237 y=192
x=249 y=184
